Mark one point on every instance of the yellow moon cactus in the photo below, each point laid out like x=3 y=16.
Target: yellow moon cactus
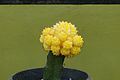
x=62 y=39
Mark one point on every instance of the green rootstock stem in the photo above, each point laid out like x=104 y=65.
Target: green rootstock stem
x=54 y=67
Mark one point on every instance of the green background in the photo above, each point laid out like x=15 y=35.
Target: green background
x=21 y=26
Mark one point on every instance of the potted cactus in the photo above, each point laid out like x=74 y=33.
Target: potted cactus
x=60 y=41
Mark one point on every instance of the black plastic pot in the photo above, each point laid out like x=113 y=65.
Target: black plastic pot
x=37 y=74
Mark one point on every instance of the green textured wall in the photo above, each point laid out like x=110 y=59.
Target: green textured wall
x=20 y=27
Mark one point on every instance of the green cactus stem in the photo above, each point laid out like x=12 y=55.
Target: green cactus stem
x=54 y=67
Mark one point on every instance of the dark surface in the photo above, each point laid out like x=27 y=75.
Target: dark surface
x=58 y=1
x=36 y=74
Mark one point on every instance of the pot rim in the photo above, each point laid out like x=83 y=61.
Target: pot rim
x=67 y=69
